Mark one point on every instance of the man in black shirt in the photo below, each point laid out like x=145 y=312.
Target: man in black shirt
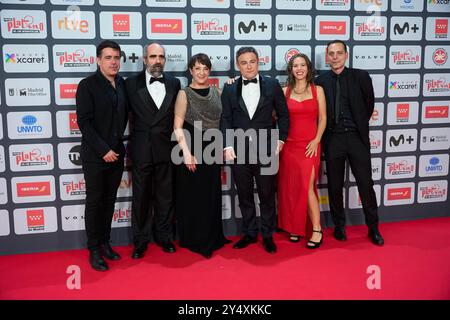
x=102 y=115
x=350 y=103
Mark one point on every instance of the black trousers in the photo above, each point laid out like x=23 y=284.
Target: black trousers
x=102 y=182
x=152 y=202
x=243 y=176
x=339 y=148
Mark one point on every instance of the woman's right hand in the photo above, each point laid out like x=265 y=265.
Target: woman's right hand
x=190 y=161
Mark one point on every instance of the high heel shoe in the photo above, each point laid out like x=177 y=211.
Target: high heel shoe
x=315 y=244
x=294 y=237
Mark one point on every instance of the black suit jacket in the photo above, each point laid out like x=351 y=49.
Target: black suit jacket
x=102 y=126
x=361 y=98
x=151 y=128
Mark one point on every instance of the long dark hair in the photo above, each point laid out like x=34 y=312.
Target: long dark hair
x=309 y=75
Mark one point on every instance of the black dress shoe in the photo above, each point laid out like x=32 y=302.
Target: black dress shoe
x=269 y=245
x=109 y=253
x=139 y=251
x=96 y=261
x=168 y=246
x=227 y=241
x=339 y=233
x=376 y=237
x=244 y=242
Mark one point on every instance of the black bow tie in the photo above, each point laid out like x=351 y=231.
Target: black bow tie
x=152 y=79
x=254 y=80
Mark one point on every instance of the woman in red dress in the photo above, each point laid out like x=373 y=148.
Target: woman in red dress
x=298 y=204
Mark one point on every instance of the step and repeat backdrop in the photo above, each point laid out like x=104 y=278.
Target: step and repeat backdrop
x=47 y=47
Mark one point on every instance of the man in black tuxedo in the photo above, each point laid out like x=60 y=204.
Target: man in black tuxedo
x=350 y=103
x=102 y=115
x=248 y=104
x=152 y=96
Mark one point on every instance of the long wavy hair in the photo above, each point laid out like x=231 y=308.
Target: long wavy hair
x=309 y=75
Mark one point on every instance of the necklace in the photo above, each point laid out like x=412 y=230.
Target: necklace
x=301 y=92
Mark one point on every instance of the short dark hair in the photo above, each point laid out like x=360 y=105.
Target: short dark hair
x=243 y=50
x=200 y=58
x=337 y=41
x=290 y=66
x=107 y=44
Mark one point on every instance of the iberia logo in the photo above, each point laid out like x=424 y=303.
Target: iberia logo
x=166 y=25
x=33 y=189
x=333 y=27
x=399 y=193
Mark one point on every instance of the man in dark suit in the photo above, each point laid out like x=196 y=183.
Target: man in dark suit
x=350 y=103
x=102 y=114
x=152 y=96
x=248 y=104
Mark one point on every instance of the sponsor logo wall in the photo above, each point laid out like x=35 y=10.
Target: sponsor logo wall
x=49 y=46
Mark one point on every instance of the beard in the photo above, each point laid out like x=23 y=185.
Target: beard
x=156 y=69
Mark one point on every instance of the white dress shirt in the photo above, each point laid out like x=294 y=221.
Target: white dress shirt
x=157 y=89
x=251 y=94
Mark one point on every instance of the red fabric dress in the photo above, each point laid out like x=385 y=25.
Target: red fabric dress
x=295 y=169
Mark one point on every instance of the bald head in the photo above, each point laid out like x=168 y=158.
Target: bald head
x=154 y=58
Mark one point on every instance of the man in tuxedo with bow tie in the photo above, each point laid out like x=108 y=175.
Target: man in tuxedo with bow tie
x=249 y=104
x=152 y=96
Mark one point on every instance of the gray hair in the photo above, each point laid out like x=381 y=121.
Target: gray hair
x=148 y=45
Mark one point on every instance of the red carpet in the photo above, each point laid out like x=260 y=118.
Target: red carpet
x=414 y=264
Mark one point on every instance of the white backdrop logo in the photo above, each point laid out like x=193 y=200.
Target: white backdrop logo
x=72 y=187
x=264 y=54
x=25 y=58
x=2 y=159
x=31 y=157
x=252 y=27
x=72 y=218
x=176 y=58
x=405 y=57
x=376 y=141
x=437 y=29
x=371 y=5
x=29 y=125
x=284 y=53
x=219 y=56
x=131 y=58
x=4 y=223
x=354 y=200
x=3 y=191
x=66 y=90
x=399 y=193
x=118 y=3
x=401 y=140
x=295 y=5
x=23 y=24
x=435 y=138
x=69 y=155
x=74 y=58
x=120 y=25
x=432 y=191
x=403 y=113
x=365 y=28
x=122 y=215
x=161 y=25
x=406 y=28
x=377 y=117
x=369 y=57
x=289 y=27
x=433 y=165
x=67 y=125
x=252 y=4
x=436 y=57
x=332 y=27
x=33 y=189
x=73 y=24
x=379 y=84
x=35 y=220
x=407 y=5
x=404 y=85
x=27 y=92
x=400 y=167
x=436 y=84
x=435 y=112
x=334 y=5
